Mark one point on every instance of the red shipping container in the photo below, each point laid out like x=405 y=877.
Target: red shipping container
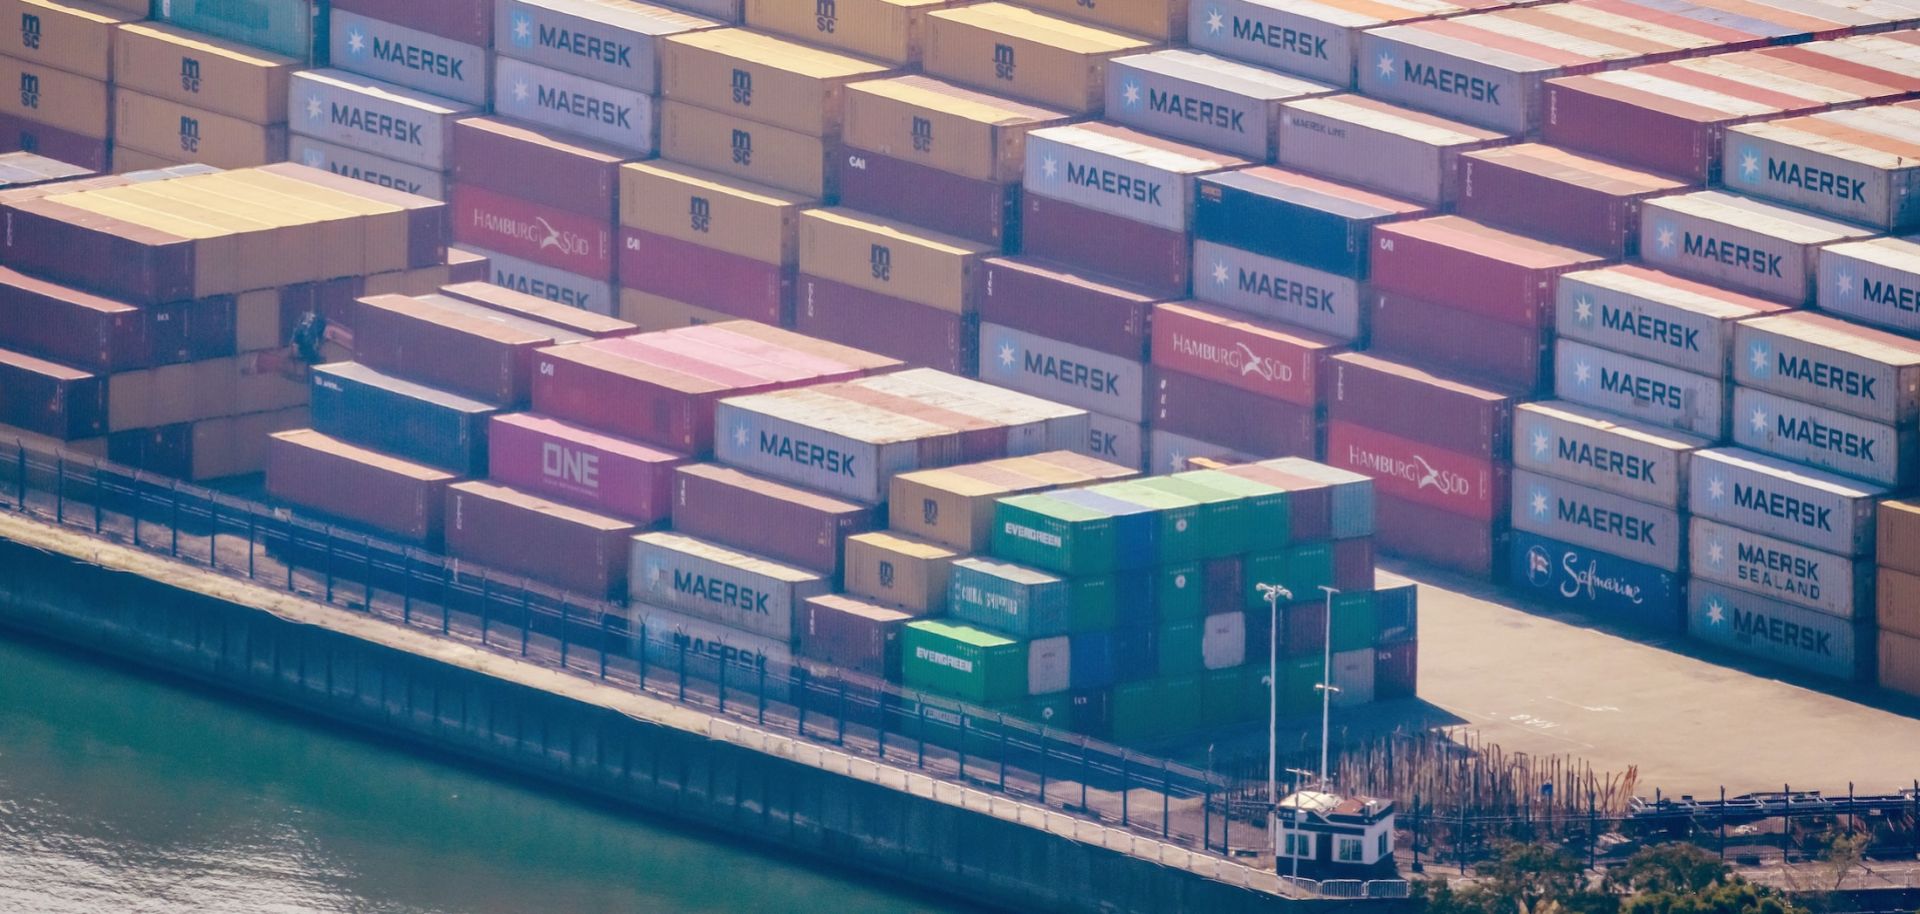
x=1160 y=260
x=465 y=21
x=324 y=474
x=1228 y=347
x=569 y=548
x=1419 y=405
x=1463 y=264
x=1310 y=502
x=1306 y=624
x=543 y=234
x=1065 y=303
x=51 y=399
x=788 y=524
x=924 y=196
x=813 y=358
x=424 y=342
x=854 y=634
x=1419 y=472
x=919 y=335
x=17 y=134
x=706 y=277
x=1242 y=420
x=1448 y=339
x=74 y=327
x=581 y=467
x=1396 y=671
x=1353 y=563
x=1559 y=196
x=429 y=221
x=535 y=308
x=1452 y=541
x=544 y=169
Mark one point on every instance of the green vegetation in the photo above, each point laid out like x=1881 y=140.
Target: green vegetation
x=1664 y=879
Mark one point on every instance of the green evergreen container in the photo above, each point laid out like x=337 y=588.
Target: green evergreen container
x=1180 y=648
x=1048 y=533
x=1301 y=569
x=1223 y=697
x=1139 y=711
x=1268 y=508
x=963 y=662
x=284 y=27
x=1053 y=711
x=1354 y=620
x=1176 y=519
x=1179 y=592
x=1223 y=515
x=1299 y=682
x=1184 y=698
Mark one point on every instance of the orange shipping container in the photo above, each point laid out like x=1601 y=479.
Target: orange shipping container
x=1898 y=601
x=712 y=210
x=55 y=98
x=747 y=149
x=206 y=72
x=889 y=30
x=1013 y=51
x=74 y=37
x=952 y=128
x=1161 y=20
x=771 y=80
x=653 y=312
x=1900 y=663
x=190 y=134
x=1899 y=537
x=127 y=159
x=863 y=251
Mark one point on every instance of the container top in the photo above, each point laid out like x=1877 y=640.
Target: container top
x=1576 y=168
x=1375 y=114
x=1006 y=571
x=1798 y=474
x=1883 y=136
x=966 y=395
x=632 y=16
x=1601 y=420
x=964 y=634
x=230 y=50
x=533 y=307
x=1423 y=376
x=1668 y=289
x=1890 y=252
x=1830 y=332
x=1750 y=84
x=12 y=279
x=1054 y=271
x=1139 y=148
x=714 y=183
x=577 y=147
x=554 y=428
x=1574 y=34
x=900 y=232
x=1050 y=505
x=752 y=564
x=1229 y=76
x=957 y=101
x=1306 y=190
x=808 y=498
x=857 y=359
x=903 y=545
x=1770 y=219
x=1496 y=244
x=1055 y=31
x=855 y=607
x=316 y=441
x=1361 y=14
x=423 y=102
x=453 y=314
x=818 y=408
x=779 y=53
x=1317 y=471
x=538 y=505
x=361 y=374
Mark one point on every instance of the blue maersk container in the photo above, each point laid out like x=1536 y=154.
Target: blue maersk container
x=1594 y=583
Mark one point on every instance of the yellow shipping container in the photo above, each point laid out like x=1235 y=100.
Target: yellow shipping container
x=190 y=134
x=916 y=265
x=208 y=73
x=762 y=77
x=890 y=30
x=653 y=312
x=712 y=210
x=128 y=159
x=899 y=570
x=954 y=506
x=214 y=247
x=381 y=228
x=1014 y=51
x=74 y=37
x=55 y=98
x=736 y=146
x=944 y=126
x=1161 y=20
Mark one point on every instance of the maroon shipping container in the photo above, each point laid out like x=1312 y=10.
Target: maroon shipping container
x=1161 y=260
x=1413 y=403
x=1418 y=332
x=1452 y=541
x=546 y=235
x=706 y=277
x=1559 y=196
x=1420 y=472
x=166 y=450
x=1221 y=584
x=1239 y=419
x=1065 y=303
x=852 y=633
x=924 y=196
x=133 y=263
x=206 y=330
x=440 y=347
x=919 y=335
x=565 y=547
x=465 y=21
x=788 y=524
x=429 y=221
x=74 y=327
x=1310 y=502
x=364 y=487
x=51 y=399
x=1238 y=350
x=1396 y=670
x=1353 y=563
x=581 y=467
x=1474 y=267
x=1306 y=629
x=18 y=134
x=568 y=173
x=533 y=307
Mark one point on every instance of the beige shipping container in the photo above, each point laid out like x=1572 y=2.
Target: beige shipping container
x=941 y=125
x=380 y=228
x=1009 y=50
x=712 y=210
x=53 y=97
x=74 y=37
x=1899 y=537
x=954 y=505
x=192 y=134
x=917 y=265
x=899 y=570
x=256 y=318
x=893 y=31
x=213 y=247
x=237 y=445
x=1897 y=606
x=1160 y=20
x=651 y=312
x=220 y=76
x=1900 y=663
x=736 y=146
x=762 y=77
x=272 y=246
x=128 y=159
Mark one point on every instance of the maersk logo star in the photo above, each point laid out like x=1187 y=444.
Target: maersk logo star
x=1582 y=374
x=1215 y=21
x=1385 y=66
x=1220 y=273
x=1049 y=168
x=1845 y=282
x=1539 y=502
x=1716 y=489
x=740 y=436
x=1759 y=420
x=1716 y=553
x=1130 y=94
x=315 y=107
x=1664 y=234
x=1716 y=613
x=522 y=29
x=1540 y=442
x=1007 y=354
x=1749 y=164
x=1583 y=309
x=313 y=159
x=356 y=43
x=653 y=574
x=1760 y=356
x=520 y=90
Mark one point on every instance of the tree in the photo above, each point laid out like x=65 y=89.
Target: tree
x=1733 y=896
x=1670 y=867
x=1531 y=874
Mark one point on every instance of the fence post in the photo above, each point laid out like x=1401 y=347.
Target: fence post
x=252 y=546
x=486 y=605
x=563 y=631
x=60 y=490
x=604 y=637
x=526 y=616
x=920 y=735
x=1206 y=814
x=1460 y=841
x=760 y=716
x=1043 y=764
x=1126 y=781
x=723 y=681
x=1593 y=830
x=681 y=645
x=368 y=580
x=1083 y=774
x=840 y=718
x=446 y=599
x=1166 y=800
x=880 y=722
x=98 y=498
x=1417 y=866
x=173 y=519
x=20 y=477
x=643 y=655
x=213 y=513
x=330 y=538
x=963 y=742
x=799 y=679
x=406 y=586
x=1723 y=823
x=1003 y=750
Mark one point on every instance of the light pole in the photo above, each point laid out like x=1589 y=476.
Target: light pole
x=1274 y=593
x=1326 y=687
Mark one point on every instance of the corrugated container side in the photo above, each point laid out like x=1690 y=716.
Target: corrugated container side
x=890 y=30
x=672 y=639
x=707 y=277
x=781 y=522
x=1221 y=346
x=1462 y=264
x=1454 y=76
x=407 y=56
x=507 y=158
x=1064 y=372
x=357 y=404
x=1825 y=165
x=1421 y=473
x=1245 y=421
x=387 y=494
x=856 y=635
x=1028 y=55
x=1058 y=302
x=492 y=361
x=1596 y=583
x=520 y=534
x=853 y=248
x=1450 y=339
x=1276 y=289
x=1801 y=638
x=1634 y=530
x=945 y=127
x=466 y=21
x=1771 y=496
x=1294 y=217
x=574 y=104
x=381 y=118
x=1292 y=39
x=742 y=148
x=1453 y=541
x=540 y=280
x=581 y=467
x=720 y=585
x=970 y=208
x=909 y=331
x=1597 y=449
x=281 y=26
x=1784 y=571
x=1899 y=668
x=1754 y=247
x=1655 y=316
x=1639 y=389
x=1203 y=99
x=1825 y=438
x=1832 y=363
x=1156 y=259
x=1407 y=153
x=899 y=571
x=1350 y=495
x=1875 y=282
x=1421 y=406
x=617 y=44
x=365 y=166
x=794 y=447
x=1167 y=452
x=1897 y=598
x=1557 y=196
x=1898 y=526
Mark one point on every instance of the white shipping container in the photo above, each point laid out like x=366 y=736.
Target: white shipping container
x=1785 y=500
x=1049 y=665
x=1639 y=389
x=1861 y=165
x=1607 y=452
x=1454 y=77
x=1798 y=637
x=1171 y=453
x=809 y=438
x=616 y=44
x=365 y=166
x=1063 y=372
x=1749 y=245
x=1825 y=360
x=718 y=584
x=408 y=57
x=1119 y=171
x=1824 y=438
x=574 y=104
x=1116 y=441
x=1784 y=571
x=542 y=281
x=1876 y=282
x=1298 y=36
x=1654 y=316
x=1223 y=640
x=1203 y=99
x=1368 y=142
x=1033 y=424
x=377 y=117
x=744 y=654
x=1277 y=289
x=1352 y=676
x=1613 y=524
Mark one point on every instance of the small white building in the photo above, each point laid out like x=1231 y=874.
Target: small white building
x=1334 y=836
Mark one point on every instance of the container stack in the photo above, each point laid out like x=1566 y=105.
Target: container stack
x=182 y=96
x=289 y=28
x=61 y=59
x=905 y=292
x=1897 y=592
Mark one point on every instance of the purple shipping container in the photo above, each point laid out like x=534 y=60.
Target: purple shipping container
x=914 y=333
x=1421 y=406
x=507 y=530
x=421 y=341
x=852 y=633
x=1353 y=563
x=1559 y=196
x=387 y=494
x=465 y=21
x=1449 y=339
x=707 y=277
x=979 y=210
x=51 y=399
x=1439 y=537
x=1396 y=671
x=571 y=174
x=1240 y=419
x=581 y=467
x=1061 y=302
x=788 y=524
x=1161 y=260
